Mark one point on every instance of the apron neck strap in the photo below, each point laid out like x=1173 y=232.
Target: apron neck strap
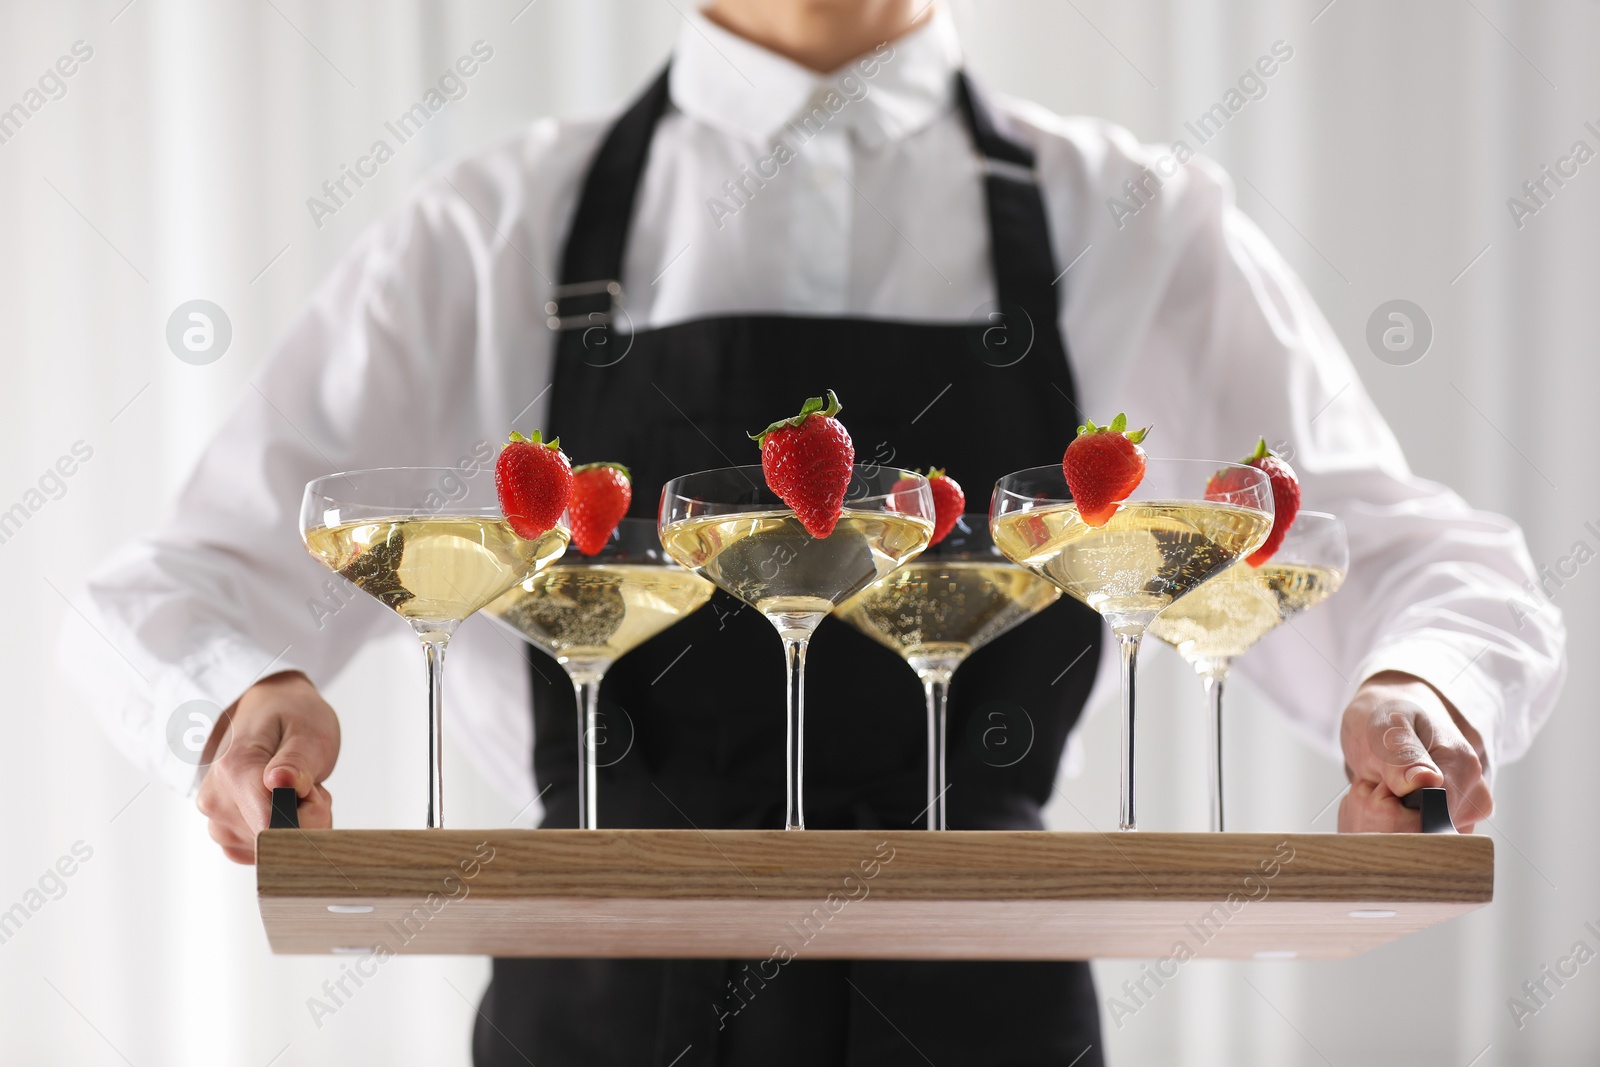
x=591 y=262
x=1019 y=230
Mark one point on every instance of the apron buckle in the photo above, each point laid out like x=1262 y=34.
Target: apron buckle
x=1003 y=168
x=583 y=304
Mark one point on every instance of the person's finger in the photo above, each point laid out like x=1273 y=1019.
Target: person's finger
x=1472 y=807
x=216 y=802
x=316 y=810
x=1402 y=759
x=229 y=837
x=210 y=798
x=303 y=758
x=238 y=842
x=1372 y=808
x=231 y=826
x=243 y=856
x=242 y=767
x=1470 y=798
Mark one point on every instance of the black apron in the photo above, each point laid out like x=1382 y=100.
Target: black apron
x=693 y=720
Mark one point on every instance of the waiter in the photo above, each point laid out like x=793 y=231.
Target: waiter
x=813 y=195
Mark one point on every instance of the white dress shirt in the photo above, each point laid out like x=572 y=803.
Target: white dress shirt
x=429 y=343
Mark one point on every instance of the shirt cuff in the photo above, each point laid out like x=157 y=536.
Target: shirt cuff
x=1457 y=677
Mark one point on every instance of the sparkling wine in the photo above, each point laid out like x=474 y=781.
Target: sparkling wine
x=1240 y=606
x=593 y=614
x=1149 y=554
x=768 y=560
x=937 y=613
x=434 y=571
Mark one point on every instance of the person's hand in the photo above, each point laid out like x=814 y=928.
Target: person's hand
x=280 y=733
x=1399 y=735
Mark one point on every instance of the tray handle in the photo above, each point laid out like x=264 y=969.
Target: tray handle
x=286 y=809
x=1435 y=807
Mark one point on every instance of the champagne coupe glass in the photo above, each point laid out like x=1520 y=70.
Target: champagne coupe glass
x=729 y=527
x=1161 y=543
x=1222 y=619
x=586 y=612
x=433 y=547
x=938 y=609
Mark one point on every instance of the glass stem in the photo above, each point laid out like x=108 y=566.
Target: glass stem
x=936 y=684
x=433 y=647
x=794 y=654
x=588 y=693
x=1213 y=675
x=1128 y=644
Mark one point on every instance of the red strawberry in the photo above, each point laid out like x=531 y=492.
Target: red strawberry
x=1285 y=495
x=806 y=461
x=534 y=481
x=948 y=502
x=1103 y=465
x=601 y=493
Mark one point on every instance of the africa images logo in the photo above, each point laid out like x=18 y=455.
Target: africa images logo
x=798 y=936
x=1538 y=191
x=1252 y=86
x=452 y=86
x=51 y=86
x=848 y=90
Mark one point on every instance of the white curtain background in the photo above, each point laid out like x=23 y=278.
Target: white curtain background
x=176 y=166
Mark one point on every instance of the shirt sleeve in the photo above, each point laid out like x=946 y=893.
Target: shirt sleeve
x=1192 y=321
x=376 y=372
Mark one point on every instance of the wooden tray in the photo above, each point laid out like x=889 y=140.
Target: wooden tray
x=861 y=894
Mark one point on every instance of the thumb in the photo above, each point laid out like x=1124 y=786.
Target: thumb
x=302 y=760
x=1407 y=765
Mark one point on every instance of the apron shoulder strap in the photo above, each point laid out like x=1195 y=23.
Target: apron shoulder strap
x=1019 y=230
x=591 y=261
x=995 y=146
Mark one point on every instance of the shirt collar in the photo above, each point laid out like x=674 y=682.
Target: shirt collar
x=737 y=86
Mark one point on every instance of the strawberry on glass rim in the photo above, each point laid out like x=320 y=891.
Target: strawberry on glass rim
x=601 y=495
x=1285 y=495
x=534 y=481
x=806 y=460
x=948 y=501
x=1103 y=466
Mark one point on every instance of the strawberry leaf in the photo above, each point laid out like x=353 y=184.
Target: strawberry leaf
x=1118 y=425
x=815 y=405
x=594 y=466
x=554 y=444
